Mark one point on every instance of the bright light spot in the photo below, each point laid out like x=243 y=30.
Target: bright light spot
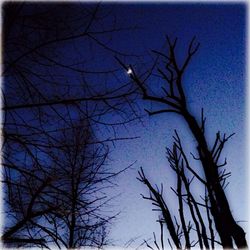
x=129 y=71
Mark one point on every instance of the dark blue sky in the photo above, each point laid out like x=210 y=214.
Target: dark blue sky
x=215 y=80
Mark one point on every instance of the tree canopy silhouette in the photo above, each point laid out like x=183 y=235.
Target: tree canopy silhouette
x=55 y=101
x=172 y=99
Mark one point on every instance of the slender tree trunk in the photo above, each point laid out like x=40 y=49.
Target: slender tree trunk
x=72 y=227
x=181 y=213
x=191 y=202
x=224 y=221
x=73 y=205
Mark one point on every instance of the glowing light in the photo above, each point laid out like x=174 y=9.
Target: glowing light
x=129 y=71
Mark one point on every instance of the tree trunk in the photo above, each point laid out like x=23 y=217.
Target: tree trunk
x=224 y=221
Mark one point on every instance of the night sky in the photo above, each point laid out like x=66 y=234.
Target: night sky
x=214 y=80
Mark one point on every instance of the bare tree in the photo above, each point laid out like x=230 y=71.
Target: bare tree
x=173 y=99
x=56 y=99
x=191 y=227
x=62 y=203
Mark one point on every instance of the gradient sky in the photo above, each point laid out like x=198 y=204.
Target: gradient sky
x=215 y=80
